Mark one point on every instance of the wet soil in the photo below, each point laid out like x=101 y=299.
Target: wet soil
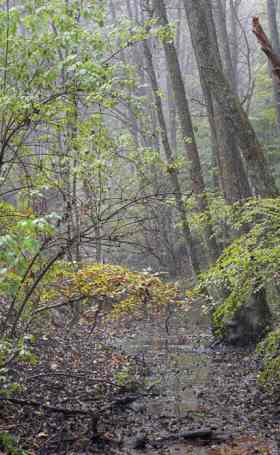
x=203 y=387
x=142 y=388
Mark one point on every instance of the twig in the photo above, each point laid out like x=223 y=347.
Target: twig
x=119 y=402
x=188 y=435
x=75 y=375
x=37 y=404
x=117 y=52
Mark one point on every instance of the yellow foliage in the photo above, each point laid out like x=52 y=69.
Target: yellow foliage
x=116 y=285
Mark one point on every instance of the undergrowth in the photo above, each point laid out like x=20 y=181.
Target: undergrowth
x=250 y=262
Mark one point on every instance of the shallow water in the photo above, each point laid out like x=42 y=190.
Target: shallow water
x=178 y=361
x=179 y=370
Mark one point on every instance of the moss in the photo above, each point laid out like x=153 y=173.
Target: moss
x=269 y=349
x=224 y=312
x=8 y=443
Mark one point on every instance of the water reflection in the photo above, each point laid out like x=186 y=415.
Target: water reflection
x=179 y=370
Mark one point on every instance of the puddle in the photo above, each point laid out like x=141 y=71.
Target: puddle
x=180 y=376
x=179 y=371
x=178 y=362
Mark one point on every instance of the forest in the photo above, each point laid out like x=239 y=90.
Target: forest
x=140 y=227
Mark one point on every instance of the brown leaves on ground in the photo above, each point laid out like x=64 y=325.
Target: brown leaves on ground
x=246 y=445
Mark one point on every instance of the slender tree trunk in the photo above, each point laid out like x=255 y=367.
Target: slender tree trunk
x=173 y=174
x=234 y=47
x=172 y=123
x=203 y=33
x=240 y=188
x=76 y=218
x=172 y=127
x=222 y=33
x=236 y=185
x=184 y=116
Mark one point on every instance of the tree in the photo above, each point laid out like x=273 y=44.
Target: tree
x=203 y=33
x=272 y=53
x=234 y=182
x=234 y=6
x=196 y=177
x=220 y=14
x=274 y=34
x=172 y=171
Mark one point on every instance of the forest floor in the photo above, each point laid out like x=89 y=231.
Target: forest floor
x=154 y=387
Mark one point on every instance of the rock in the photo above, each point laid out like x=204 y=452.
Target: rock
x=250 y=322
x=138 y=407
x=139 y=442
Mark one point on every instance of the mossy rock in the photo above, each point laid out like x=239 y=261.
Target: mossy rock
x=247 y=324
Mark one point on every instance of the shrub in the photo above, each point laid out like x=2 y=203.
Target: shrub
x=249 y=263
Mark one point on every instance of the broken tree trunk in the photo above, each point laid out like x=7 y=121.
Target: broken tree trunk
x=267 y=48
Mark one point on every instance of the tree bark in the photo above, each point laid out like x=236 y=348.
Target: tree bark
x=275 y=47
x=173 y=174
x=267 y=48
x=233 y=179
x=203 y=34
x=197 y=182
x=274 y=35
x=222 y=33
x=234 y=42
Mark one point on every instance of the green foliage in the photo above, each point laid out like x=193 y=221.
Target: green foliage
x=219 y=216
x=21 y=350
x=8 y=443
x=250 y=262
x=264 y=113
x=269 y=349
x=22 y=256
x=51 y=53
x=20 y=243
x=125 y=376
x=166 y=33
x=57 y=60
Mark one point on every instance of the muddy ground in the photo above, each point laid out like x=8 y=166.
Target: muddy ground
x=152 y=387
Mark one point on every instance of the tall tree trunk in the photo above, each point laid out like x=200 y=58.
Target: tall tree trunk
x=233 y=41
x=222 y=33
x=197 y=182
x=172 y=127
x=235 y=182
x=203 y=33
x=232 y=178
x=173 y=174
x=236 y=185
x=172 y=120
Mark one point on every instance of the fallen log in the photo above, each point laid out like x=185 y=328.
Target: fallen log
x=197 y=434
x=204 y=433
x=37 y=404
x=118 y=402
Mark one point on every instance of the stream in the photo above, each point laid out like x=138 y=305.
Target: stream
x=188 y=388
x=178 y=369
x=179 y=362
